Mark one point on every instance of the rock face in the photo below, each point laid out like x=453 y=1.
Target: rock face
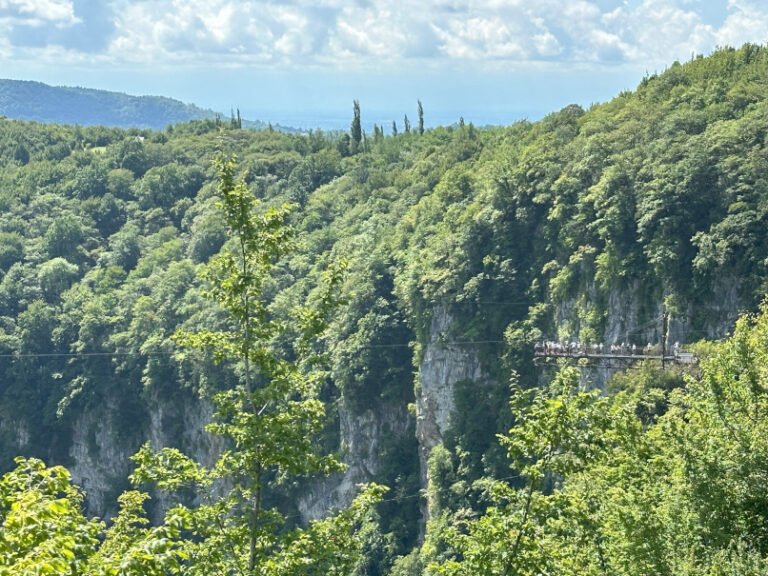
x=102 y=444
x=634 y=314
x=717 y=314
x=100 y=458
x=16 y=430
x=361 y=440
x=103 y=438
x=630 y=316
x=442 y=366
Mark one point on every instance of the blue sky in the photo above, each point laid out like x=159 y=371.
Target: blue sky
x=303 y=61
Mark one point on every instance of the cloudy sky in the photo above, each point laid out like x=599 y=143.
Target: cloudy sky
x=294 y=60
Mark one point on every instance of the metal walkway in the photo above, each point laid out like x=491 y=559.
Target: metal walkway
x=679 y=358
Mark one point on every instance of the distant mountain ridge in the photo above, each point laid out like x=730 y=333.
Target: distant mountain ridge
x=30 y=100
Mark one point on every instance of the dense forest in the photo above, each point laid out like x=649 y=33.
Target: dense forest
x=38 y=102
x=25 y=100
x=363 y=308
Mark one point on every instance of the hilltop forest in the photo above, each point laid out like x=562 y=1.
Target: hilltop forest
x=209 y=336
x=24 y=100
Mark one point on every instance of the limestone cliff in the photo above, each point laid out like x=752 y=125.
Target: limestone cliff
x=443 y=364
x=103 y=442
x=361 y=439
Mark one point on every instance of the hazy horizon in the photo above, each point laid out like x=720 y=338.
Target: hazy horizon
x=490 y=62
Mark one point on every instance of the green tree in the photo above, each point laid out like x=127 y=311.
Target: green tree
x=21 y=154
x=119 y=182
x=42 y=528
x=557 y=432
x=208 y=236
x=162 y=186
x=11 y=249
x=270 y=420
x=356 y=131
x=64 y=237
x=55 y=276
x=131 y=154
x=421 y=117
x=378 y=134
x=648 y=480
x=125 y=247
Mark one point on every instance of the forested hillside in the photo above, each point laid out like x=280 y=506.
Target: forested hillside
x=24 y=100
x=462 y=248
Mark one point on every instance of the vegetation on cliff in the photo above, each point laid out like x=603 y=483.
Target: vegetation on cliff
x=656 y=477
x=581 y=226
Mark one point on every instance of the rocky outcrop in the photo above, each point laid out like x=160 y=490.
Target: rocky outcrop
x=443 y=364
x=361 y=439
x=103 y=442
x=633 y=314
x=100 y=458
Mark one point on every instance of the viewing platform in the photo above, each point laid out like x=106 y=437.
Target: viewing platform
x=597 y=352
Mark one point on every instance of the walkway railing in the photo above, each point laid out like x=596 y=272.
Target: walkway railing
x=677 y=356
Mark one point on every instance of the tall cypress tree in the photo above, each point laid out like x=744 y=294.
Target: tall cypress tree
x=356 y=131
x=421 y=117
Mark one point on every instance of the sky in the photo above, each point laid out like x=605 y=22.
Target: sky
x=303 y=62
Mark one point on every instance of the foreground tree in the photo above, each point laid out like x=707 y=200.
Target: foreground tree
x=43 y=529
x=270 y=420
x=654 y=479
x=269 y=423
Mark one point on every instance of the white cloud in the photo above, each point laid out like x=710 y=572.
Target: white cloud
x=184 y=30
x=658 y=31
x=39 y=12
x=546 y=44
x=376 y=32
x=481 y=37
x=746 y=22
x=6 y=49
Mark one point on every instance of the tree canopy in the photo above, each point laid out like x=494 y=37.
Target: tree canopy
x=586 y=225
